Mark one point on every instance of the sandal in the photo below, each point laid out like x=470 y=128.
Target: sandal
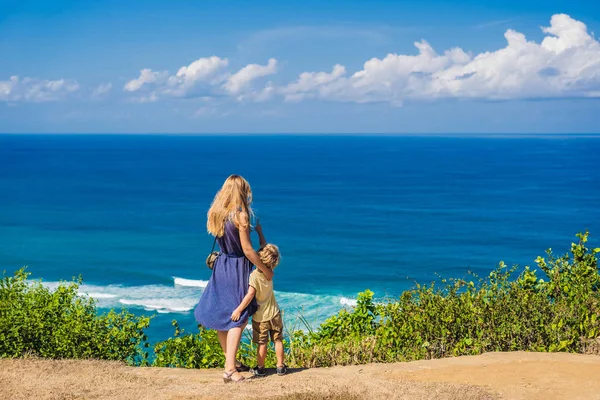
x=228 y=377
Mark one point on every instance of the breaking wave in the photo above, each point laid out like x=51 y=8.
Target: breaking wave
x=183 y=295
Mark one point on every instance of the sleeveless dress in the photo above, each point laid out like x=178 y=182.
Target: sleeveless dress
x=227 y=286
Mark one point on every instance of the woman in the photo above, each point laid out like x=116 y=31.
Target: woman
x=229 y=221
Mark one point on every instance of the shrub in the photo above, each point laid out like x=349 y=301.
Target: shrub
x=201 y=350
x=61 y=324
x=502 y=312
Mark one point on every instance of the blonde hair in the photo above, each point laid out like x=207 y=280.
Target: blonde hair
x=269 y=255
x=233 y=199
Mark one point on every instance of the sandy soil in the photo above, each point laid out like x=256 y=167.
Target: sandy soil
x=489 y=376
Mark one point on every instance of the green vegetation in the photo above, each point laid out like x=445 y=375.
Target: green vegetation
x=508 y=310
x=462 y=317
x=201 y=350
x=35 y=320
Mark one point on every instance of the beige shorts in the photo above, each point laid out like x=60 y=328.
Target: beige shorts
x=262 y=330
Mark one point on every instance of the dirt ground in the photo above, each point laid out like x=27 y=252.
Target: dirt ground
x=490 y=376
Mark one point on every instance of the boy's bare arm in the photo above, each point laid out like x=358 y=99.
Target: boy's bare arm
x=235 y=316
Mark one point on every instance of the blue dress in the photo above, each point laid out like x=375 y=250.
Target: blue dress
x=228 y=285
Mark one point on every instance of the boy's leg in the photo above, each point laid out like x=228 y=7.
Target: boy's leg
x=279 y=353
x=258 y=337
x=277 y=338
x=261 y=355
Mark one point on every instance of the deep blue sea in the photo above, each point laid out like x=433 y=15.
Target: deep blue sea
x=127 y=212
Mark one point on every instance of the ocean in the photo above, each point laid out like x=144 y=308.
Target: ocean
x=349 y=213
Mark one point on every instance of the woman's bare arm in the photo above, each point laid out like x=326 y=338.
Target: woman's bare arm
x=249 y=251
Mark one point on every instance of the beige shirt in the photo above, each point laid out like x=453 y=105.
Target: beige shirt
x=265 y=297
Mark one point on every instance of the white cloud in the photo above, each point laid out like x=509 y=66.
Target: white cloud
x=268 y=92
x=310 y=83
x=101 y=90
x=565 y=63
x=205 y=77
x=246 y=75
x=36 y=90
x=202 y=69
x=197 y=77
x=147 y=76
x=7 y=87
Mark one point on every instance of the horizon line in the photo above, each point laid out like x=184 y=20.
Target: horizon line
x=305 y=134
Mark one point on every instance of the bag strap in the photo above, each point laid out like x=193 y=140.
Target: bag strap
x=213 y=246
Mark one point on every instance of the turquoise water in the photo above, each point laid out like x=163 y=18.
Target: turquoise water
x=348 y=213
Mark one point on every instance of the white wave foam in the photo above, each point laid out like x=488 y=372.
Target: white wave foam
x=162 y=305
x=159 y=298
x=348 y=302
x=183 y=295
x=98 y=295
x=189 y=282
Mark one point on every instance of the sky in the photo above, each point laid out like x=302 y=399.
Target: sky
x=398 y=67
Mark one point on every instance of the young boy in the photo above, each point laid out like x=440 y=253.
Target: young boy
x=267 y=319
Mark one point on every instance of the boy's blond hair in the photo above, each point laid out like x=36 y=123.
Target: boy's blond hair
x=269 y=255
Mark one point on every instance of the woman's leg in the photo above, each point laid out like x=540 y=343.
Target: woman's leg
x=223 y=340
x=234 y=335
x=239 y=364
